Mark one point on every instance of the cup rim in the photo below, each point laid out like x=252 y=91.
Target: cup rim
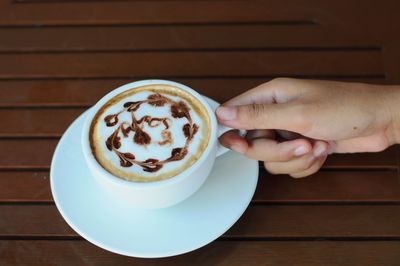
x=90 y=159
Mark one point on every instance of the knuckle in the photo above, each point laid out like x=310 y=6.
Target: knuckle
x=305 y=164
x=312 y=169
x=270 y=168
x=309 y=163
x=284 y=156
x=251 y=114
x=255 y=110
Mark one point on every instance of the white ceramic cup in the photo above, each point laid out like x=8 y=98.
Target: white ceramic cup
x=163 y=193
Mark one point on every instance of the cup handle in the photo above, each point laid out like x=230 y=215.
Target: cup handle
x=221 y=130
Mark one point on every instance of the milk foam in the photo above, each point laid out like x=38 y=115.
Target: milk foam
x=111 y=161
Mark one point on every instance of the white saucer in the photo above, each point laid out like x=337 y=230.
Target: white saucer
x=117 y=227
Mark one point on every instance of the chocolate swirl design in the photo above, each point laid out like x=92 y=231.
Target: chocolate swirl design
x=178 y=109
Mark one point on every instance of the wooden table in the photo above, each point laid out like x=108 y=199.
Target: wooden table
x=57 y=57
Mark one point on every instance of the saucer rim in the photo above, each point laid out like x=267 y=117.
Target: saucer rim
x=103 y=245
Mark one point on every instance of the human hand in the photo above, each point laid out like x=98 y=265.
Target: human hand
x=294 y=124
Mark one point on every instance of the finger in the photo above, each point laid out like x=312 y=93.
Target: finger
x=264 y=149
x=293 y=166
x=312 y=169
x=263 y=93
x=232 y=140
x=277 y=90
x=301 y=164
x=320 y=148
x=320 y=152
x=262 y=116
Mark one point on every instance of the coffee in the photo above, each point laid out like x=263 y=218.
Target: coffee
x=149 y=133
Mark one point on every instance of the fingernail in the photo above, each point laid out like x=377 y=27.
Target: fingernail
x=319 y=150
x=300 y=151
x=237 y=148
x=226 y=113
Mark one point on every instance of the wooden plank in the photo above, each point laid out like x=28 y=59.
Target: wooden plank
x=25 y=186
x=27 y=153
x=151 y=12
x=389 y=158
x=343 y=186
x=318 y=221
x=44 y=122
x=330 y=186
x=38 y=122
x=86 y=92
x=182 y=37
x=392 y=61
x=161 y=64
x=33 y=220
x=229 y=253
x=272 y=221
x=37 y=153
x=83 y=1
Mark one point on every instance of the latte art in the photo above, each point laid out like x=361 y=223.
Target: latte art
x=149 y=133
x=140 y=137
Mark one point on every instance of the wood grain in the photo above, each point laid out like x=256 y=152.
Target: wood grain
x=325 y=186
x=150 y=12
x=183 y=38
x=177 y=12
x=164 y=64
x=25 y=186
x=58 y=57
x=27 y=153
x=84 y=93
x=37 y=153
x=39 y=122
x=330 y=186
x=272 y=221
x=387 y=159
x=344 y=253
x=318 y=221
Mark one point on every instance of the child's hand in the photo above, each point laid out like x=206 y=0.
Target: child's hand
x=313 y=118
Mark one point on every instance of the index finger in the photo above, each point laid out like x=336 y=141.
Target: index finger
x=278 y=90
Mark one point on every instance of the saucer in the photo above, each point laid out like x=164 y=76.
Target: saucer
x=117 y=227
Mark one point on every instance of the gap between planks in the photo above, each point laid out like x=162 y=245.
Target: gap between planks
x=222 y=238
x=380 y=76
x=92 y=1
x=221 y=50
x=311 y=22
x=252 y=203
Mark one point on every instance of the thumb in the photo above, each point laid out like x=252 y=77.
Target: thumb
x=258 y=116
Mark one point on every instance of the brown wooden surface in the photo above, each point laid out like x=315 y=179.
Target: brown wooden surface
x=58 y=57
x=275 y=221
x=238 y=252
x=351 y=186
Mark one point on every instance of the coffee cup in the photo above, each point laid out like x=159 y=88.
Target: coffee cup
x=162 y=192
